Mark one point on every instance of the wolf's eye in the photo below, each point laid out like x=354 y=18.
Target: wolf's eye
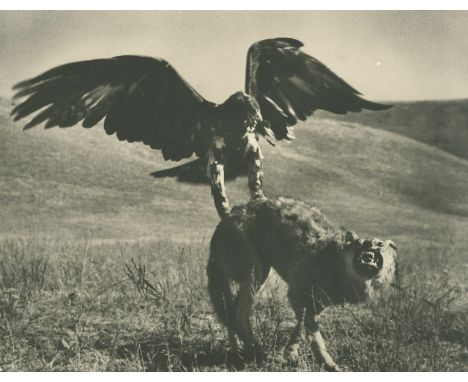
x=380 y=244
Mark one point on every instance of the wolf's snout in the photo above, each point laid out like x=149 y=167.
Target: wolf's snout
x=367 y=257
x=367 y=245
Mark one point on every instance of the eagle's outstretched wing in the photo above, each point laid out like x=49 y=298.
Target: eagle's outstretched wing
x=143 y=99
x=289 y=85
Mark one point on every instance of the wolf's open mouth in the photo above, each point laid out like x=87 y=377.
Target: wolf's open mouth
x=369 y=258
x=369 y=262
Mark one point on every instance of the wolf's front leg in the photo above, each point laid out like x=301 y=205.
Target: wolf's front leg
x=291 y=351
x=318 y=343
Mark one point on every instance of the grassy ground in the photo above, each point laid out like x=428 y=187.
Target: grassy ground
x=143 y=306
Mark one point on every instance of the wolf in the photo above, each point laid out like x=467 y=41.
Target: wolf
x=322 y=264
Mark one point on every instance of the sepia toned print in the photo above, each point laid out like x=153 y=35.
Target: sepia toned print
x=112 y=258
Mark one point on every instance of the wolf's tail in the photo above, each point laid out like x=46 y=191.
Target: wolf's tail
x=219 y=288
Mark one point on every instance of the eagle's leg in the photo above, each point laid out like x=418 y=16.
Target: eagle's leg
x=218 y=189
x=216 y=172
x=253 y=156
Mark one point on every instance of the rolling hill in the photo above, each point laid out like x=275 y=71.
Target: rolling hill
x=443 y=124
x=82 y=183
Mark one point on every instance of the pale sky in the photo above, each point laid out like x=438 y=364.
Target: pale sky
x=408 y=55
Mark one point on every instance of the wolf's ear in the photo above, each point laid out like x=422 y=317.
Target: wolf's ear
x=391 y=244
x=351 y=237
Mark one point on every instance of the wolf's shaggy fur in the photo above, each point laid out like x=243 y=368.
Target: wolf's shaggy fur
x=321 y=263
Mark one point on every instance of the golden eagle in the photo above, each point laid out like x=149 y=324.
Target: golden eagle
x=144 y=99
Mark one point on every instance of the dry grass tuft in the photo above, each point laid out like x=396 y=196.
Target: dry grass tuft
x=77 y=307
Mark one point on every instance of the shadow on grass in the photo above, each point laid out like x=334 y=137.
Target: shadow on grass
x=169 y=355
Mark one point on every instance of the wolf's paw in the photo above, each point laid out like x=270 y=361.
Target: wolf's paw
x=291 y=354
x=332 y=367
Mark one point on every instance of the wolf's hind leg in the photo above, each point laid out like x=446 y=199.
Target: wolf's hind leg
x=247 y=291
x=231 y=319
x=242 y=315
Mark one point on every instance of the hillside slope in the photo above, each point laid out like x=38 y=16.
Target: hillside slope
x=79 y=182
x=443 y=124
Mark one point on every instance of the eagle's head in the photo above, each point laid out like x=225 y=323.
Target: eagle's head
x=238 y=114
